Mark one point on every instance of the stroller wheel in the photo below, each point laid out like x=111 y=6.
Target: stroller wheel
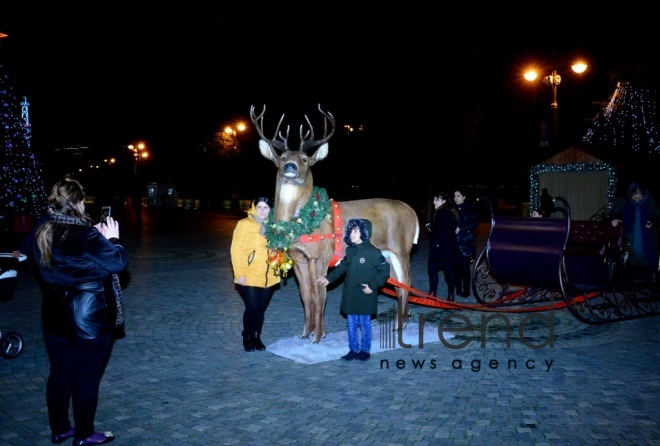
x=12 y=345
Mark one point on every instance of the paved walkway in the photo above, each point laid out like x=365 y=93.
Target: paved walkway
x=181 y=377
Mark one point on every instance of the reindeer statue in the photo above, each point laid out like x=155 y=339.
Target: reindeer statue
x=308 y=227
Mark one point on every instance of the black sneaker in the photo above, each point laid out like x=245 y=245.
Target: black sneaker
x=350 y=356
x=363 y=356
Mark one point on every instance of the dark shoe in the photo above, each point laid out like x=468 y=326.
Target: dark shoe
x=431 y=293
x=257 y=342
x=466 y=294
x=350 y=356
x=450 y=297
x=61 y=438
x=248 y=343
x=363 y=356
x=95 y=438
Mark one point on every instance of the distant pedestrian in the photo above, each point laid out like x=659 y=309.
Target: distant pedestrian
x=366 y=271
x=640 y=214
x=547 y=205
x=444 y=252
x=468 y=221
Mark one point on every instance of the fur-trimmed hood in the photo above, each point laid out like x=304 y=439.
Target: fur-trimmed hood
x=365 y=230
x=645 y=193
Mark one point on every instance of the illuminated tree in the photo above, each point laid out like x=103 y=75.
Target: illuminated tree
x=21 y=179
x=628 y=121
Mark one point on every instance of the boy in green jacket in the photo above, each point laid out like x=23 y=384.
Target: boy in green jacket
x=366 y=270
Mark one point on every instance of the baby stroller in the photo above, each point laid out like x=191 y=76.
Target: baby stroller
x=11 y=343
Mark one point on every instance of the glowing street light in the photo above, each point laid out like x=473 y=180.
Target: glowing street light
x=232 y=133
x=553 y=80
x=139 y=151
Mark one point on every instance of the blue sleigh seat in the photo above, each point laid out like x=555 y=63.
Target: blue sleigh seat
x=527 y=251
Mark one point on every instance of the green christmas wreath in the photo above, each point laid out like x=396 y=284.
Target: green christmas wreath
x=282 y=234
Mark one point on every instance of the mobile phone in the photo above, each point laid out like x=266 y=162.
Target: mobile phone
x=105 y=213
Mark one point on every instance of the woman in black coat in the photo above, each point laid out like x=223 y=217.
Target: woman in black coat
x=75 y=259
x=444 y=252
x=640 y=215
x=468 y=221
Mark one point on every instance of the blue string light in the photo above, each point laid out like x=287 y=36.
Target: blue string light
x=535 y=171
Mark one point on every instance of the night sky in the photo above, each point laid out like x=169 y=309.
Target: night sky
x=419 y=80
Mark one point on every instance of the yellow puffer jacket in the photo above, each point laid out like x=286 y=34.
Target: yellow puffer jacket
x=249 y=256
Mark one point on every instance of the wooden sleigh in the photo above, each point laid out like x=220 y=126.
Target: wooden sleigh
x=532 y=264
x=575 y=264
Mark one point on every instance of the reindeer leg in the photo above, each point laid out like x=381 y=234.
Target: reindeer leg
x=318 y=297
x=400 y=270
x=302 y=273
x=322 y=292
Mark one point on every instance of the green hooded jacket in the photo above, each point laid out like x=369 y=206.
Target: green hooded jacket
x=363 y=264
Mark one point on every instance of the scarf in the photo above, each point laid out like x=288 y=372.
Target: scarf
x=115 y=283
x=260 y=221
x=116 y=291
x=66 y=219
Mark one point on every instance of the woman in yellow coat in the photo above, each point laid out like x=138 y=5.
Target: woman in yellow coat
x=254 y=278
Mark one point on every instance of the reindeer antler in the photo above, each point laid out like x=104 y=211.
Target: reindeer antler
x=258 y=122
x=306 y=144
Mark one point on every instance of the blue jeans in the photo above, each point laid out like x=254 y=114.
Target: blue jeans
x=353 y=321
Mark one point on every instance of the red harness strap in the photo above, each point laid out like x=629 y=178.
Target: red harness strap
x=336 y=221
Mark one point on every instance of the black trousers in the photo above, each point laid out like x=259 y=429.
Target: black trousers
x=256 y=301
x=76 y=369
x=449 y=271
x=464 y=273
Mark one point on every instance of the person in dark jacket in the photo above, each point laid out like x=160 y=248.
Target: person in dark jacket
x=468 y=221
x=366 y=271
x=444 y=253
x=547 y=203
x=640 y=214
x=75 y=258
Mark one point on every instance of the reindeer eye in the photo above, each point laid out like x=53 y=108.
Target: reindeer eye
x=303 y=159
x=283 y=157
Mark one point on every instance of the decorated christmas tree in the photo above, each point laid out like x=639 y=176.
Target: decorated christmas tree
x=21 y=179
x=629 y=121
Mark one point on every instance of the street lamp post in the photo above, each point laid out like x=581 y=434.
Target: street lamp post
x=139 y=151
x=553 y=80
x=136 y=187
x=231 y=131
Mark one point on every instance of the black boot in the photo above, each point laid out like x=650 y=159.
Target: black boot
x=248 y=342
x=257 y=341
x=450 y=297
x=465 y=292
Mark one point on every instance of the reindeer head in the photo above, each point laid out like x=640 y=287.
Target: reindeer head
x=293 y=165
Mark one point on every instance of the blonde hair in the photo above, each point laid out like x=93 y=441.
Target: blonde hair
x=67 y=197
